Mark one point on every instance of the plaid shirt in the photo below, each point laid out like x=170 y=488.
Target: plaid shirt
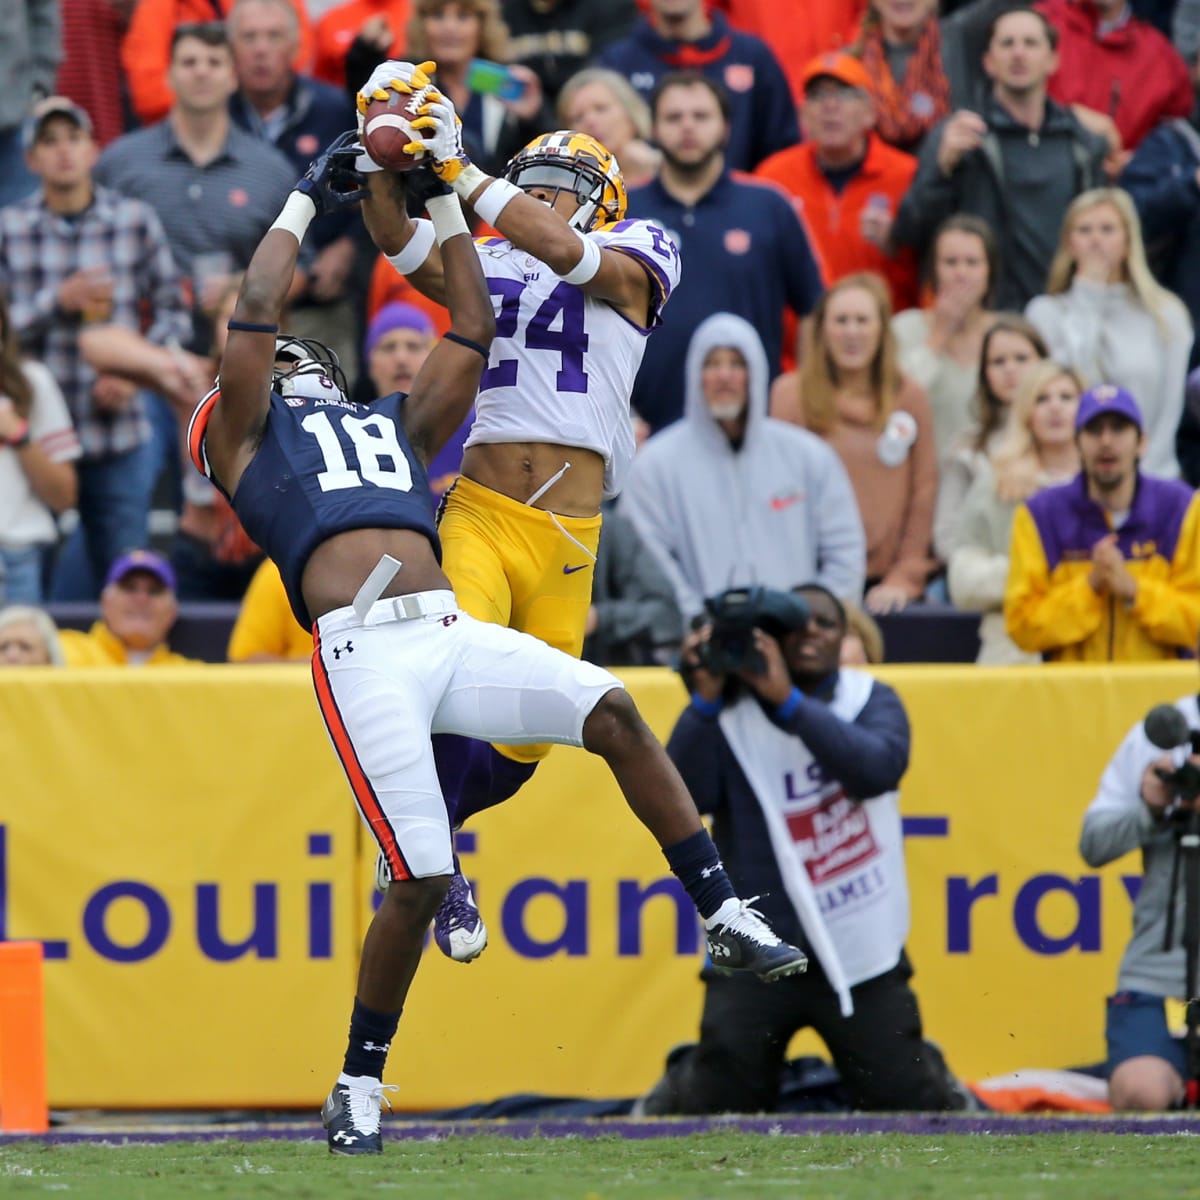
x=221 y=207
x=39 y=249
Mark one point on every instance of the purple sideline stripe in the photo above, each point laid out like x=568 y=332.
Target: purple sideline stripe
x=400 y=1129
x=925 y=826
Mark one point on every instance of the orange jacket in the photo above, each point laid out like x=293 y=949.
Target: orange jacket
x=833 y=218
x=340 y=26
x=146 y=48
x=811 y=28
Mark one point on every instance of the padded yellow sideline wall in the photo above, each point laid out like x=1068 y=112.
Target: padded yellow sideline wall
x=183 y=842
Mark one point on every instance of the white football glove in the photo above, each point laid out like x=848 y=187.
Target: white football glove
x=396 y=76
x=441 y=137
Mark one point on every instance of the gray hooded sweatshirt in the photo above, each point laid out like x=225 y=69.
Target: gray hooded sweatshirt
x=777 y=510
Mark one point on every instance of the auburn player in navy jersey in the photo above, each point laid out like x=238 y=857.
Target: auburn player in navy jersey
x=579 y=288
x=336 y=493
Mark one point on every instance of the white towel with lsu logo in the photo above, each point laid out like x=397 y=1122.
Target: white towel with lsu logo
x=842 y=860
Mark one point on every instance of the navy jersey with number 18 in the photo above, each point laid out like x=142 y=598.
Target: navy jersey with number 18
x=324 y=466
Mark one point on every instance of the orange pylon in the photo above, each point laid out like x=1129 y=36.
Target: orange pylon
x=23 y=1106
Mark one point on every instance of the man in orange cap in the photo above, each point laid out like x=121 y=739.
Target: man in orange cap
x=847 y=179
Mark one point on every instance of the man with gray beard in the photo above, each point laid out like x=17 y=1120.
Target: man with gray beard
x=731 y=497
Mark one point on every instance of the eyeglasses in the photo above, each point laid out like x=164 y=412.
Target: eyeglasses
x=823 y=92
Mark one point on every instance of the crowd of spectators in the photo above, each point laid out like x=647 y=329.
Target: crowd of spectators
x=923 y=177
x=908 y=203
x=931 y=345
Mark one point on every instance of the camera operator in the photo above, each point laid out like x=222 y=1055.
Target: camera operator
x=1145 y=801
x=798 y=761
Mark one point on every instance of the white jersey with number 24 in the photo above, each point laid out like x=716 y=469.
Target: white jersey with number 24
x=563 y=363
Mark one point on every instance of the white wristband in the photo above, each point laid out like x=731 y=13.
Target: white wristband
x=296 y=215
x=413 y=256
x=584 y=271
x=448 y=219
x=468 y=180
x=492 y=203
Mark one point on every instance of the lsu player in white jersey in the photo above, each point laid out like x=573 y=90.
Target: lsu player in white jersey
x=577 y=288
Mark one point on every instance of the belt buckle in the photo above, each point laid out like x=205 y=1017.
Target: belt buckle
x=408 y=608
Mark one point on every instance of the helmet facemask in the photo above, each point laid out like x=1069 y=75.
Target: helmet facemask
x=314 y=370
x=577 y=165
x=584 y=185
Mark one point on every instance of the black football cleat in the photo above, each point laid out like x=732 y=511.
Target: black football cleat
x=740 y=940
x=351 y=1113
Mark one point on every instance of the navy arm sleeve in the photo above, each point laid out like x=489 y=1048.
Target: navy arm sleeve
x=869 y=755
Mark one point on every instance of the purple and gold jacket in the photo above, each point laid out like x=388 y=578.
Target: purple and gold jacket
x=1049 y=605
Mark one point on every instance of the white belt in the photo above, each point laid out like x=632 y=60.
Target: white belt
x=410 y=607
x=371 y=610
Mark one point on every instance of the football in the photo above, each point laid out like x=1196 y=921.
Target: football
x=386 y=130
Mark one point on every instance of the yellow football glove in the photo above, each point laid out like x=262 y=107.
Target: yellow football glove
x=443 y=142
x=394 y=76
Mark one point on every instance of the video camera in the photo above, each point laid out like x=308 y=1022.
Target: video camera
x=1167 y=728
x=735 y=614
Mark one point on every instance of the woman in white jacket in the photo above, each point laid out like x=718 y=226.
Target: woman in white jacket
x=1010 y=348
x=1036 y=450
x=940 y=346
x=1105 y=315
x=38 y=448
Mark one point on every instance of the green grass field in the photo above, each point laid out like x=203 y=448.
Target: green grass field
x=1068 y=1166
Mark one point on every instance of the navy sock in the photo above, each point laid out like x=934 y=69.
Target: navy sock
x=371 y=1036
x=697 y=865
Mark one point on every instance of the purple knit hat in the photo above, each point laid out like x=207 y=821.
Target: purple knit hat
x=396 y=316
